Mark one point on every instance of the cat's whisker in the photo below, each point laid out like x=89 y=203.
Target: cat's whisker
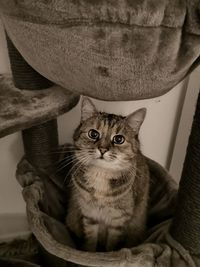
x=81 y=160
x=82 y=163
x=62 y=164
x=70 y=162
x=66 y=162
x=65 y=165
x=70 y=171
x=57 y=162
x=57 y=152
x=70 y=156
x=66 y=157
x=62 y=152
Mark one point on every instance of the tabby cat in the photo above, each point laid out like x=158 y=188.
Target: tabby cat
x=108 y=203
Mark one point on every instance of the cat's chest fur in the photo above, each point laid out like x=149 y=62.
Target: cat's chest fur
x=99 y=182
x=98 y=179
x=101 y=204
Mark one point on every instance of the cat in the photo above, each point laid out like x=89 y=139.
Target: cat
x=109 y=198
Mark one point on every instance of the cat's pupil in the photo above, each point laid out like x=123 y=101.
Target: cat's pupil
x=93 y=134
x=118 y=139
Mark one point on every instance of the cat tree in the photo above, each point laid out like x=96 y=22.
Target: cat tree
x=111 y=50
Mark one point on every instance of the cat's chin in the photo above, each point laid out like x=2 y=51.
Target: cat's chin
x=110 y=165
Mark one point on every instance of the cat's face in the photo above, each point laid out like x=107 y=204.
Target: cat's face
x=106 y=140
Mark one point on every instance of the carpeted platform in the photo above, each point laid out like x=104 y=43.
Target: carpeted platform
x=21 y=109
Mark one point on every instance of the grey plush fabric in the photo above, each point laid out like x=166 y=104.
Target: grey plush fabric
x=46 y=198
x=107 y=49
x=21 y=252
x=21 y=109
x=16 y=263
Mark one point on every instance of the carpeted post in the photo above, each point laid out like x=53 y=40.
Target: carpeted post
x=41 y=139
x=24 y=76
x=186 y=224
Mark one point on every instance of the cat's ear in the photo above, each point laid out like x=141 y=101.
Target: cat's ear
x=136 y=119
x=87 y=109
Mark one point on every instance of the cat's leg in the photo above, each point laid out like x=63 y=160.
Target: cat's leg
x=114 y=237
x=91 y=230
x=74 y=227
x=73 y=220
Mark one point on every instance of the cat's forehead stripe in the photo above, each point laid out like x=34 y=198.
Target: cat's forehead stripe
x=98 y=124
x=109 y=126
x=110 y=120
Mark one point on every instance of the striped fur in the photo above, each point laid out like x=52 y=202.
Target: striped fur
x=109 y=196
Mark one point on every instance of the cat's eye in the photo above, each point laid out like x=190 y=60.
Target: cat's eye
x=118 y=139
x=93 y=134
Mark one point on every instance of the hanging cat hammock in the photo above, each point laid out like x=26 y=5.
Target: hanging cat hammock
x=110 y=50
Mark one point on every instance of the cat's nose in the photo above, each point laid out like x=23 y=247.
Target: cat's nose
x=103 y=150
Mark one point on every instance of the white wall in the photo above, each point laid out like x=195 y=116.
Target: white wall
x=185 y=124
x=157 y=135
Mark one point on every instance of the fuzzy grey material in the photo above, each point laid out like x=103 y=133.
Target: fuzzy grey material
x=21 y=109
x=111 y=50
x=158 y=249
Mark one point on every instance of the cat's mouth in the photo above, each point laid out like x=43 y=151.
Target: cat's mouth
x=101 y=159
x=103 y=163
x=104 y=157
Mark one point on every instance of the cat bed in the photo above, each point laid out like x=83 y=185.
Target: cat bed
x=46 y=196
x=111 y=50
x=21 y=109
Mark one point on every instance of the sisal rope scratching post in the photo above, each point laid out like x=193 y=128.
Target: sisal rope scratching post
x=41 y=139
x=38 y=140
x=25 y=77
x=186 y=224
